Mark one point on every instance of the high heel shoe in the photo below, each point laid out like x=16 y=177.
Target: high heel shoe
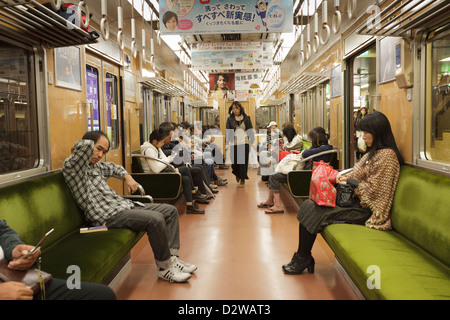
x=295 y=257
x=299 y=265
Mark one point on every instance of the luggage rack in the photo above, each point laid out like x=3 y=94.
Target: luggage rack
x=399 y=18
x=32 y=22
x=304 y=82
x=163 y=86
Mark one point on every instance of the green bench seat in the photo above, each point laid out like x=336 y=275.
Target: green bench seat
x=413 y=259
x=36 y=205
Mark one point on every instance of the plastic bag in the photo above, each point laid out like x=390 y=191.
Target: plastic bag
x=321 y=188
x=288 y=163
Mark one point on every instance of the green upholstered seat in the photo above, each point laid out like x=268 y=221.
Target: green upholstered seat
x=414 y=257
x=35 y=206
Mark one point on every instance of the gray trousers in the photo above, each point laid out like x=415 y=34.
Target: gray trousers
x=160 y=221
x=275 y=180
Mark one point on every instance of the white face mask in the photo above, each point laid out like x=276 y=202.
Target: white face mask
x=2 y=255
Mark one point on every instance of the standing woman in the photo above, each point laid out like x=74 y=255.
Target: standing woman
x=375 y=177
x=239 y=136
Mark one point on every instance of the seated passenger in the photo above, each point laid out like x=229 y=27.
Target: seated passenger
x=268 y=150
x=319 y=140
x=172 y=147
x=11 y=248
x=193 y=155
x=292 y=140
x=375 y=177
x=87 y=177
x=153 y=149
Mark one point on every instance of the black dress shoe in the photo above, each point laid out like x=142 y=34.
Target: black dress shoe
x=299 y=265
x=295 y=257
x=199 y=196
x=193 y=209
x=201 y=201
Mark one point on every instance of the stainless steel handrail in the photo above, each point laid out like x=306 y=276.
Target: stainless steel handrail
x=155 y=159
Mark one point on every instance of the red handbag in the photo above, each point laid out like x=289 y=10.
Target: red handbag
x=283 y=154
x=321 y=188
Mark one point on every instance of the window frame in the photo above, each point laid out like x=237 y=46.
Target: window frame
x=422 y=39
x=38 y=96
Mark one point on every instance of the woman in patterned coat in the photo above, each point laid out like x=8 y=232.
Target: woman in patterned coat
x=375 y=177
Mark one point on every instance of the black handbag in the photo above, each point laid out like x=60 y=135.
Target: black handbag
x=344 y=195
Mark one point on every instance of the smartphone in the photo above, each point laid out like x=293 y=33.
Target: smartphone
x=37 y=246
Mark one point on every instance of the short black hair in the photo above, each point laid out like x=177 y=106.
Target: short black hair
x=95 y=135
x=167 y=127
x=158 y=135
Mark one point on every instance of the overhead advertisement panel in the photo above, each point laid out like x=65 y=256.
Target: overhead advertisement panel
x=232 y=55
x=218 y=16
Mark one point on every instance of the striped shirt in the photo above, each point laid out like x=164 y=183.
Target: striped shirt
x=88 y=183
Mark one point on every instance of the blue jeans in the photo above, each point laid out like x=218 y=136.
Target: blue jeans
x=160 y=221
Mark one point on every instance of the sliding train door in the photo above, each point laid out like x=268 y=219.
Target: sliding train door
x=105 y=108
x=362 y=91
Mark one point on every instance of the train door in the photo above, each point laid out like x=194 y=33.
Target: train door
x=162 y=108
x=362 y=88
x=147 y=113
x=105 y=108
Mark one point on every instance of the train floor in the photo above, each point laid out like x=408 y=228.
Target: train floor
x=239 y=251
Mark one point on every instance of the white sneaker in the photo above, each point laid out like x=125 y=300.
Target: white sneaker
x=183 y=266
x=173 y=274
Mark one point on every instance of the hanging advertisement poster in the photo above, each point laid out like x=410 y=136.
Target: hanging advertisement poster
x=232 y=55
x=241 y=95
x=221 y=81
x=247 y=80
x=218 y=16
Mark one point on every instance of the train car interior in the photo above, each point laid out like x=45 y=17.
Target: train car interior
x=127 y=67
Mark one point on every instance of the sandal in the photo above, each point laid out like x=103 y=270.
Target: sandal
x=270 y=210
x=264 y=205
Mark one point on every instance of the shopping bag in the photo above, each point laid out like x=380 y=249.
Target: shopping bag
x=283 y=154
x=288 y=163
x=321 y=188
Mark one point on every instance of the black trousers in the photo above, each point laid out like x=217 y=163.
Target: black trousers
x=57 y=289
x=239 y=157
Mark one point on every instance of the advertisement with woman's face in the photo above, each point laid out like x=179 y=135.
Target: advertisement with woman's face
x=221 y=81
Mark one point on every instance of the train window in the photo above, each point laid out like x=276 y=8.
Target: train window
x=112 y=112
x=92 y=93
x=437 y=132
x=263 y=116
x=19 y=140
